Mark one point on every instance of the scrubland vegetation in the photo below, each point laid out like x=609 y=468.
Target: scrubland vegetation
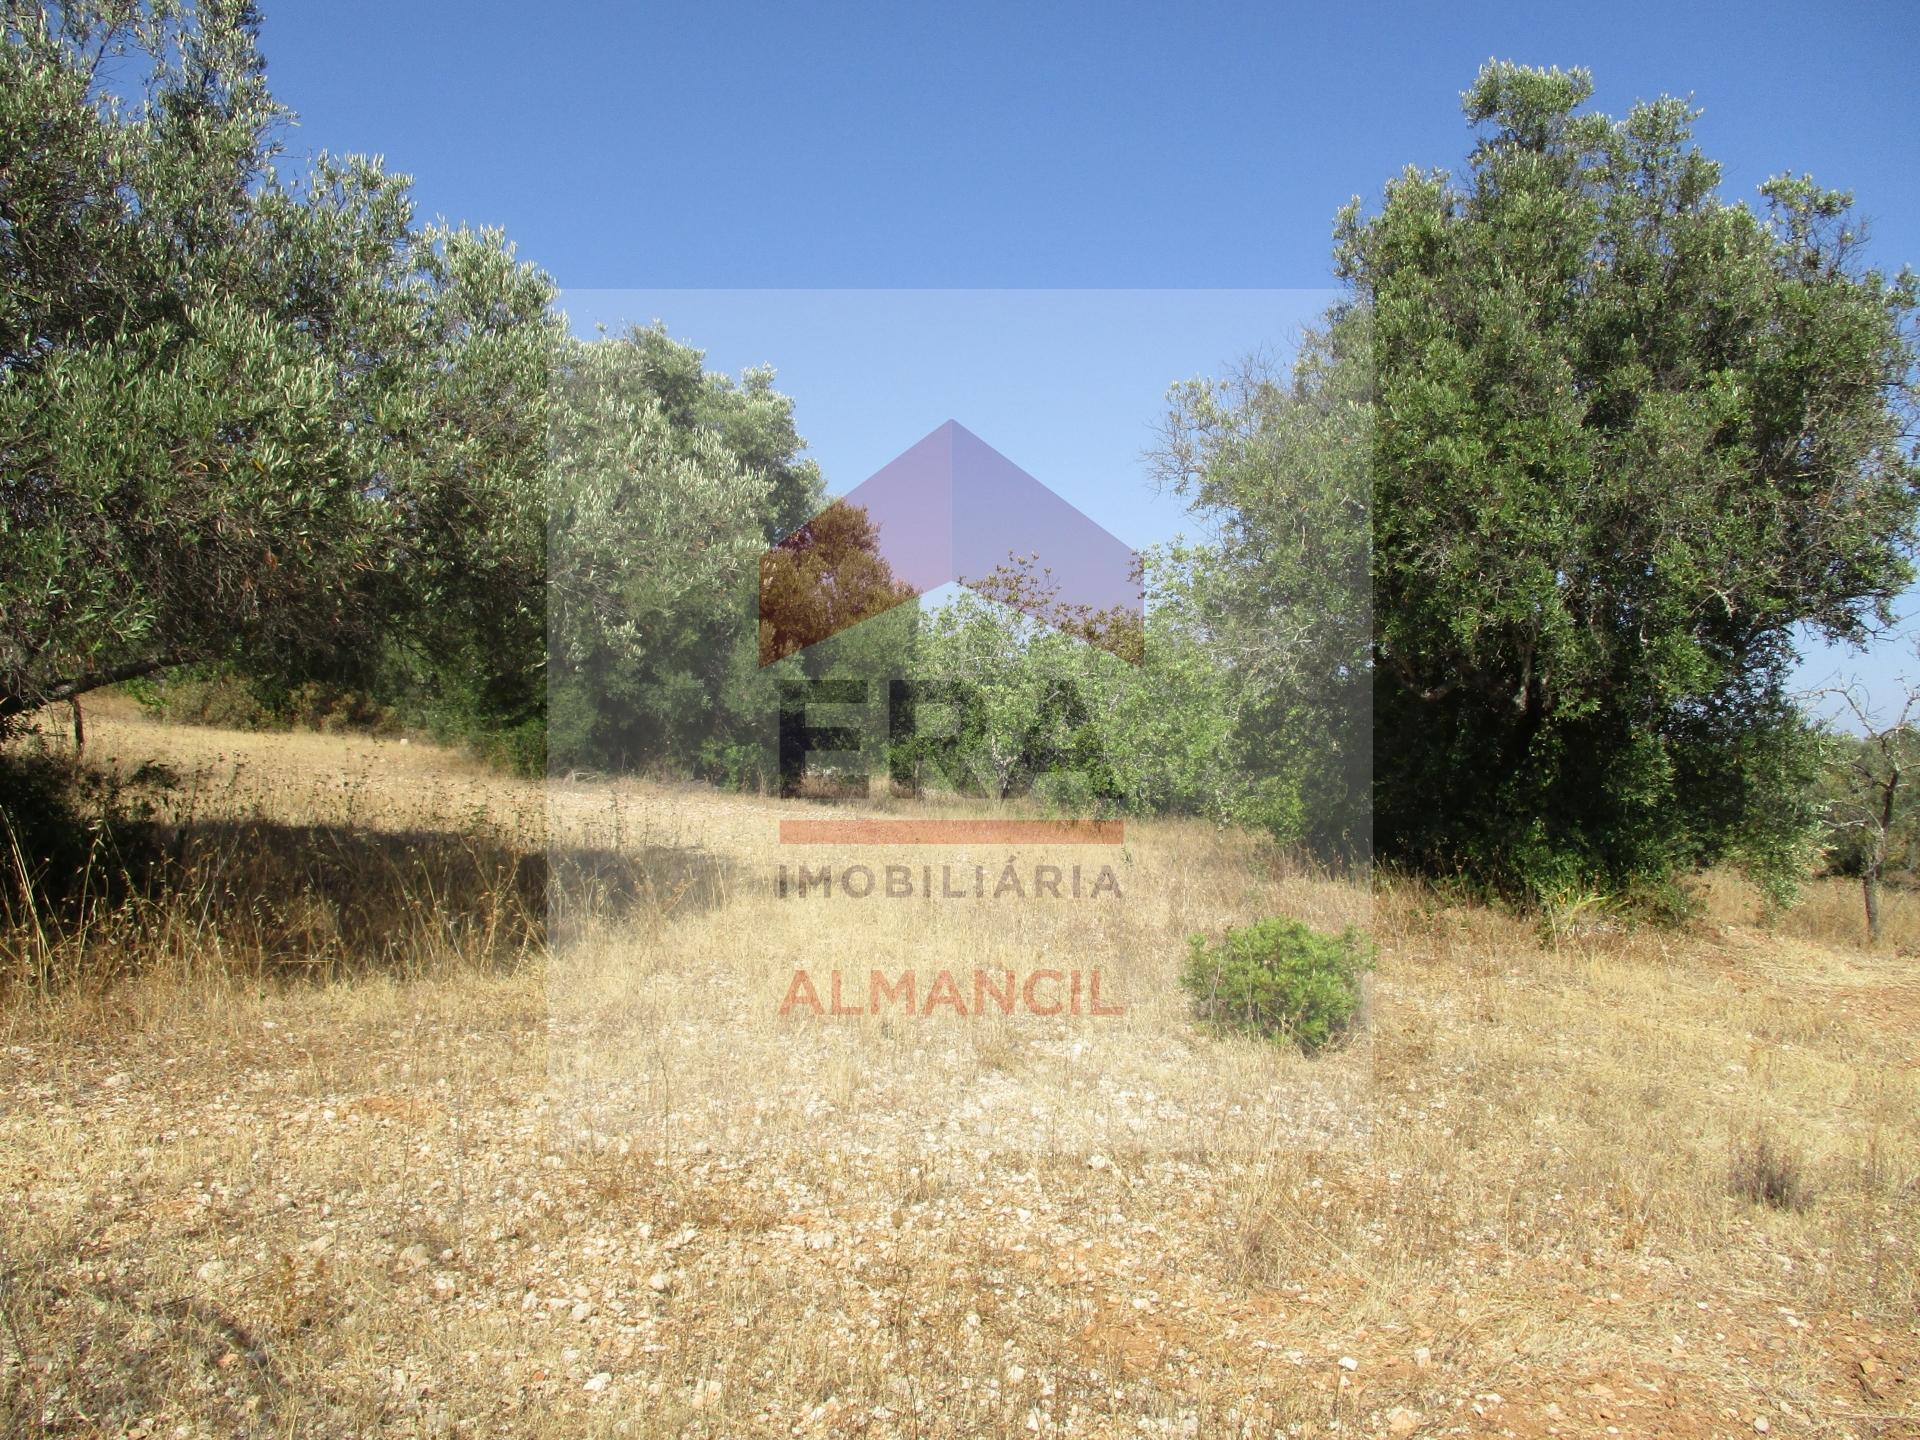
x=1496 y=1012
x=288 y=1150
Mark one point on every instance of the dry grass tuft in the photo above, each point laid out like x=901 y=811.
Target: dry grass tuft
x=1831 y=911
x=1767 y=1172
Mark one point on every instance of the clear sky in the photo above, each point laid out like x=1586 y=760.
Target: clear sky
x=1113 y=145
x=1068 y=384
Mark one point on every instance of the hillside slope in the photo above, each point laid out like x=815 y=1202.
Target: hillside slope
x=243 y=1195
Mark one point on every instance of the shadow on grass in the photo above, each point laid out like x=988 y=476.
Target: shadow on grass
x=322 y=902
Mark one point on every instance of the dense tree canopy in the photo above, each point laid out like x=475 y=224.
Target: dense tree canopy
x=668 y=484
x=1627 y=438
x=242 y=418
x=1510 y=563
x=1107 y=713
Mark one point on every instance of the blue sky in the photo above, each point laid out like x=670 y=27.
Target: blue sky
x=1110 y=146
x=1068 y=384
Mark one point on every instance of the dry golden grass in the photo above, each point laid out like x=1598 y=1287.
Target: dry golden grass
x=243 y=1196
x=291 y=856
x=1830 y=912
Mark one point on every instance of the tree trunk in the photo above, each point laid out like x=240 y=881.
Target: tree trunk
x=1870 y=878
x=79 y=727
x=16 y=703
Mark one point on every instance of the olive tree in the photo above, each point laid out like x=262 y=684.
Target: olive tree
x=1628 y=438
x=244 y=418
x=667 y=484
x=1872 y=768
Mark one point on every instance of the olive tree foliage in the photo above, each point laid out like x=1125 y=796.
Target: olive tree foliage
x=1627 y=437
x=465 y=587
x=1171 y=732
x=1095 y=714
x=668 y=484
x=244 y=418
x=1002 y=699
x=1276 y=463
x=1872 y=765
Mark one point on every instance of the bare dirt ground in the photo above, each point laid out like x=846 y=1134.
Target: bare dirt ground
x=239 y=1201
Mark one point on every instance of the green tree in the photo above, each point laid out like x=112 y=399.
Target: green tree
x=1093 y=712
x=1004 y=692
x=466 y=602
x=1169 y=736
x=1277 y=465
x=1627 y=439
x=244 y=420
x=668 y=483
x=1870 y=773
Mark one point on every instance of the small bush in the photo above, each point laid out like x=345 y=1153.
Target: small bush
x=1279 y=980
x=1767 y=1173
x=210 y=695
x=316 y=705
x=205 y=697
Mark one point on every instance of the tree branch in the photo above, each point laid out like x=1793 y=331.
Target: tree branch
x=59 y=690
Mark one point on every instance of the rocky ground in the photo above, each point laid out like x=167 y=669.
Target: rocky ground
x=237 y=1204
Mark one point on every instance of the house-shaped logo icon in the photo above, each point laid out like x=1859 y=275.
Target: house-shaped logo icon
x=950 y=508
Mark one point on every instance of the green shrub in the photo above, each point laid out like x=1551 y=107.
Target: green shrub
x=228 y=700
x=206 y=695
x=1279 y=980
